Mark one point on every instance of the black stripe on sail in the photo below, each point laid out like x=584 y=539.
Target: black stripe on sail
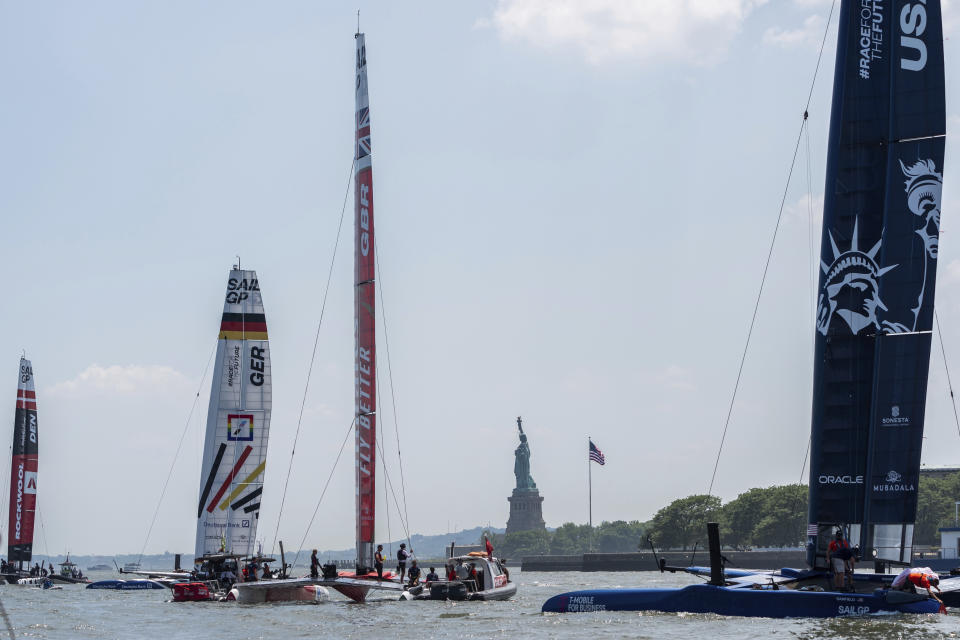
x=243 y=317
x=253 y=507
x=213 y=473
x=247 y=498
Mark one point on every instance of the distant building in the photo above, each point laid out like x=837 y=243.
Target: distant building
x=937 y=472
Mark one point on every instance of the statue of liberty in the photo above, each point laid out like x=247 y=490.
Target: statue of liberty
x=521 y=466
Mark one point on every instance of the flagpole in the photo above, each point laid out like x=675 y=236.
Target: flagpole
x=590 y=483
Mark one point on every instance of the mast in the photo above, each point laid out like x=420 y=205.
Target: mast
x=878 y=267
x=238 y=424
x=365 y=352
x=23 y=470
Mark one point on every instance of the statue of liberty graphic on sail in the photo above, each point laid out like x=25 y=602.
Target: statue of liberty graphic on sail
x=851 y=284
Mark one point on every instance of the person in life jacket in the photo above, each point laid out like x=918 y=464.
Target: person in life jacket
x=402 y=555
x=923 y=577
x=840 y=559
x=378 y=561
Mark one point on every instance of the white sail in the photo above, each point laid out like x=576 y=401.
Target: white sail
x=238 y=424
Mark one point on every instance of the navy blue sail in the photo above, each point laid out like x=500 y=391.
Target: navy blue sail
x=878 y=270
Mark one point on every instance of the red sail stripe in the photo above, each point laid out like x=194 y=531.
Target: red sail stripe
x=27 y=404
x=23 y=393
x=226 y=483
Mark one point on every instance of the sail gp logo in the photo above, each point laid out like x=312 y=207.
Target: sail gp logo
x=870 y=33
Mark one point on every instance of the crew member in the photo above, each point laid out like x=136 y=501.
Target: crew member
x=840 y=559
x=378 y=561
x=414 y=575
x=314 y=565
x=923 y=578
x=432 y=576
x=488 y=545
x=402 y=555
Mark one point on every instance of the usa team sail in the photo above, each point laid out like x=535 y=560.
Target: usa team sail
x=23 y=470
x=365 y=352
x=238 y=424
x=878 y=268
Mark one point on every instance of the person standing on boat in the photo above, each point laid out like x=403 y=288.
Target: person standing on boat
x=402 y=555
x=840 y=559
x=378 y=561
x=488 y=545
x=314 y=565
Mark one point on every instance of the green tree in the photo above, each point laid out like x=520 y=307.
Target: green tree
x=570 y=539
x=785 y=517
x=525 y=543
x=618 y=536
x=684 y=521
x=740 y=516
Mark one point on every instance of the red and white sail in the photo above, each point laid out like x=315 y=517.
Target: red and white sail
x=23 y=469
x=238 y=424
x=365 y=351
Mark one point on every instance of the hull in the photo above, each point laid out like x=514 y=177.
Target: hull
x=278 y=593
x=702 y=598
x=126 y=585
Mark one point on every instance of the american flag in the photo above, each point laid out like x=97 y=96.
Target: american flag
x=595 y=454
x=811 y=529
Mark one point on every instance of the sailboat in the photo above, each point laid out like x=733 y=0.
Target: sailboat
x=357 y=584
x=873 y=327
x=23 y=477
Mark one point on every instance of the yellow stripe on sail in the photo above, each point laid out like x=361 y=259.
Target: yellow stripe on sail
x=243 y=485
x=241 y=335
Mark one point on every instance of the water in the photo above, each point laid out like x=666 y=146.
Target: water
x=77 y=613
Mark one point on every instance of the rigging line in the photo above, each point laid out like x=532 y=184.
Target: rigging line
x=43 y=532
x=324 y=492
x=943 y=350
x=386 y=495
x=403 y=522
x=756 y=308
x=186 y=426
x=393 y=396
x=773 y=241
x=313 y=356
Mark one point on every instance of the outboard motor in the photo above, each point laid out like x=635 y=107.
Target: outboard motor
x=328 y=571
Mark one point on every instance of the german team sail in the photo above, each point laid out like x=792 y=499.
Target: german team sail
x=23 y=470
x=365 y=347
x=878 y=270
x=238 y=424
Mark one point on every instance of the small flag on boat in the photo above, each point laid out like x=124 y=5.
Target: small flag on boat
x=595 y=454
x=812 y=530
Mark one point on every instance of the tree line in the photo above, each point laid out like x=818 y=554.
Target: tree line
x=761 y=517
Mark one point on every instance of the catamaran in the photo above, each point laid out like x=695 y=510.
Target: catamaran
x=874 y=319
x=23 y=477
x=356 y=584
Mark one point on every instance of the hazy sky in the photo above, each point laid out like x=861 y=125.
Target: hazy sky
x=574 y=202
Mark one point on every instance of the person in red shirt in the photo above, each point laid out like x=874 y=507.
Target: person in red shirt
x=840 y=559
x=489 y=546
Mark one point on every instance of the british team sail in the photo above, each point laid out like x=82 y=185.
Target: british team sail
x=238 y=424
x=365 y=347
x=23 y=470
x=878 y=270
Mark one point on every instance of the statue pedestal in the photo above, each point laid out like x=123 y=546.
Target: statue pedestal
x=526 y=511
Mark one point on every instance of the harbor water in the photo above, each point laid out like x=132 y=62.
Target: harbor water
x=77 y=613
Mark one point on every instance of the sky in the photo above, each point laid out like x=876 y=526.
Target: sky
x=574 y=205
